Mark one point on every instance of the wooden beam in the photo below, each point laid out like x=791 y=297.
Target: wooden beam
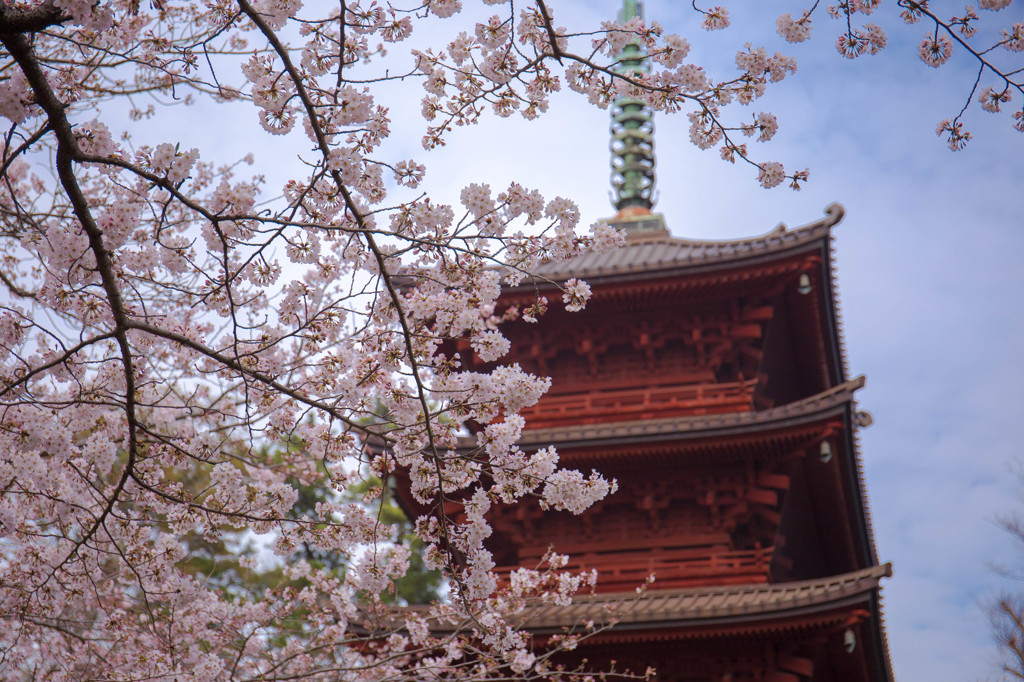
x=796 y=664
x=762 y=496
x=745 y=331
x=780 y=676
x=769 y=480
x=758 y=314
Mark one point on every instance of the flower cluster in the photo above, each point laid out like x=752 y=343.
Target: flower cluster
x=935 y=50
x=522 y=81
x=991 y=100
x=193 y=358
x=794 y=30
x=716 y=18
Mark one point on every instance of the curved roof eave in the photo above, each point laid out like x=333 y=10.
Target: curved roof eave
x=810 y=409
x=667 y=255
x=694 y=607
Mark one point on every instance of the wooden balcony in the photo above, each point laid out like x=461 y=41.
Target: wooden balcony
x=649 y=402
x=672 y=568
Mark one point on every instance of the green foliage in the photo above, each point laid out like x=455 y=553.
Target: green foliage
x=418 y=586
x=216 y=555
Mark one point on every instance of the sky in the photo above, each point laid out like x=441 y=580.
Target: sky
x=929 y=270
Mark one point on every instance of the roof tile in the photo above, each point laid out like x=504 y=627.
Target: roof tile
x=689 y=606
x=669 y=253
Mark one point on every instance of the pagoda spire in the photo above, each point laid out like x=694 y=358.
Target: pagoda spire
x=632 y=130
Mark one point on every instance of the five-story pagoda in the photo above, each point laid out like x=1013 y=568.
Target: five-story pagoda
x=709 y=378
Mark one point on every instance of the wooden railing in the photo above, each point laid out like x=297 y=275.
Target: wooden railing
x=673 y=567
x=640 y=403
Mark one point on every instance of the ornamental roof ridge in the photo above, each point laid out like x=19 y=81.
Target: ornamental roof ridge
x=834 y=214
x=804 y=409
x=695 y=606
x=656 y=252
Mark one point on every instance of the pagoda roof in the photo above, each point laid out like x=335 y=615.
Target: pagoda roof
x=800 y=412
x=702 y=606
x=659 y=253
x=728 y=611
x=703 y=613
x=655 y=255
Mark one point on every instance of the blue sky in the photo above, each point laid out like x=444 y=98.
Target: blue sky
x=929 y=266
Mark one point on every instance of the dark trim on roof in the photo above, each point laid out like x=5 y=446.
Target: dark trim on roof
x=854 y=473
x=832 y=317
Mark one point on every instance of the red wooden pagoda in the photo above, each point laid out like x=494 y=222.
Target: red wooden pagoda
x=708 y=378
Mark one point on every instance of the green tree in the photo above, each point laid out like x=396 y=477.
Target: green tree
x=218 y=557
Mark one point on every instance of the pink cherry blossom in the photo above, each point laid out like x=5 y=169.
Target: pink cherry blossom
x=957 y=137
x=576 y=295
x=716 y=19
x=935 y=50
x=991 y=100
x=771 y=174
x=794 y=30
x=1013 y=39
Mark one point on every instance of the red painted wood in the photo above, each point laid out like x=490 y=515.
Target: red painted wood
x=700 y=513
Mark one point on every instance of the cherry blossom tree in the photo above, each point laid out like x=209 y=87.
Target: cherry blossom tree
x=167 y=322
x=1006 y=616
x=994 y=47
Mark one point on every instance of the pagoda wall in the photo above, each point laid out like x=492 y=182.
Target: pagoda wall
x=688 y=525
x=641 y=358
x=791 y=650
x=673 y=348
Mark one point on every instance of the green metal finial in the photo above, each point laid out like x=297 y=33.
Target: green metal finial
x=632 y=129
x=630 y=9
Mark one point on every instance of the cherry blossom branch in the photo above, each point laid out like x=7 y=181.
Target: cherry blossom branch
x=237 y=366
x=949 y=30
x=66 y=147
x=17 y=19
x=265 y=334
x=556 y=51
x=378 y=255
x=46 y=366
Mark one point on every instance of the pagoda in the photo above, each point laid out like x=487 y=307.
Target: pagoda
x=709 y=378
